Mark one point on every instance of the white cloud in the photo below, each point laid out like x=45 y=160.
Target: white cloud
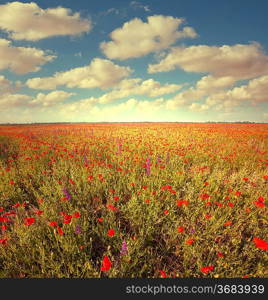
x=238 y=62
x=9 y=100
x=27 y=21
x=100 y=73
x=50 y=99
x=135 y=86
x=132 y=109
x=137 y=38
x=209 y=84
x=21 y=60
x=138 y=5
x=7 y=86
x=197 y=107
x=255 y=91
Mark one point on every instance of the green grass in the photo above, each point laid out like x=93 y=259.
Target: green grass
x=43 y=160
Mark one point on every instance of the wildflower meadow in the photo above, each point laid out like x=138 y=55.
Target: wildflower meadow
x=134 y=200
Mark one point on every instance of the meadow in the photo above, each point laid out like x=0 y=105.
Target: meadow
x=134 y=200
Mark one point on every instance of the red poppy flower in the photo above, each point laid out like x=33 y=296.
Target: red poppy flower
x=166 y=187
x=67 y=219
x=245 y=179
x=207 y=216
x=111 y=207
x=9 y=213
x=11 y=182
x=111 y=232
x=260 y=243
x=71 y=181
x=1 y=209
x=53 y=224
x=106 y=264
x=219 y=254
x=3 y=241
x=29 y=221
x=206 y=183
x=76 y=214
x=100 y=220
x=204 y=196
x=180 y=229
x=38 y=212
x=165 y=211
x=116 y=198
x=228 y=223
x=4 y=219
x=207 y=269
x=182 y=202
x=163 y=274
x=60 y=232
x=90 y=178
x=189 y=242
x=16 y=205
x=259 y=203
x=265 y=177
x=238 y=193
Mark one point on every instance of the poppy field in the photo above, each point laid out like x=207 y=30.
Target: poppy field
x=134 y=200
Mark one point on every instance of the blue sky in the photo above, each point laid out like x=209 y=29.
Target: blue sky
x=94 y=61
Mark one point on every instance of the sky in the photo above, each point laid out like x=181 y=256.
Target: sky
x=133 y=61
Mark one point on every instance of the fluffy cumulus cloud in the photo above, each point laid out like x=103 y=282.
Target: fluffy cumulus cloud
x=135 y=86
x=100 y=73
x=197 y=107
x=27 y=21
x=50 y=99
x=255 y=91
x=9 y=101
x=226 y=65
x=7 y=86
x=239 y=61
x=130 y=110
x=21 y=60
x=137 y=38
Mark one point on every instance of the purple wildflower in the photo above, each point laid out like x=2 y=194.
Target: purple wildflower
x=66 y=194
x=85 y=159
x=124 y=250
x=78 y=229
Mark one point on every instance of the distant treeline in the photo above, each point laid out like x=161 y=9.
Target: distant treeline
x=48 y=123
